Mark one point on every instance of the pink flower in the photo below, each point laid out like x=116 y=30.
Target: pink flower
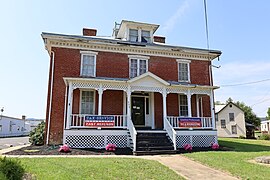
x=110 y=147
x=188 y=147
x=215 y=146
x=65 y=148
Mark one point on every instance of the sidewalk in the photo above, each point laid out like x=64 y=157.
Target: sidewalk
x=181 y=165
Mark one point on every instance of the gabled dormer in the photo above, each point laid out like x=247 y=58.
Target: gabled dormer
x=135 y=31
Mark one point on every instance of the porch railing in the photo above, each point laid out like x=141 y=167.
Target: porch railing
x=170 y=131
x=206 y=122
x=133 y=132
x=78 y=121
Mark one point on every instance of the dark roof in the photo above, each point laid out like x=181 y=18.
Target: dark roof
x=228 y=104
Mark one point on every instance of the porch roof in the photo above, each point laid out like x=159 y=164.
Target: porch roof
x=130 y=81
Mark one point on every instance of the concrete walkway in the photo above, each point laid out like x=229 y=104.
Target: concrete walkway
x=181 y=165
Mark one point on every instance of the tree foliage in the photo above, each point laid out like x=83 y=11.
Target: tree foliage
x=37 y=134
x=268 y=114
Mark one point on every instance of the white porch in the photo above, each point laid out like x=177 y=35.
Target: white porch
x=75 y=123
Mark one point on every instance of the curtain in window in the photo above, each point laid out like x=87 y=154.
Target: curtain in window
x=133 y=68
x=87 y=102
x=133 y=35
x=88 y=65
x=142 y=66
x=183 y=72
x=146 y=36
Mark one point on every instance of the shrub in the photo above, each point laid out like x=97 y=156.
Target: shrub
x=11 y=169
x=265 y=137
x=188 y=147
x=65 y=148
x=110 y=147
x=37 y=134
x=215 y=146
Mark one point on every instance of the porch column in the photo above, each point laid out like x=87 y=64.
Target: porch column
x=69 y=108
x=164 y=96
x=189 y=103
x=212 y=109
x=198 y=105
x=100 y=92
x=128 y=104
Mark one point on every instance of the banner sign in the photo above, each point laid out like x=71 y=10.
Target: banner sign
x=99 y=121
x=190 y=122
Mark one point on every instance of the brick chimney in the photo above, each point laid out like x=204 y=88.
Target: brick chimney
x=89 y=32
x=159 y=39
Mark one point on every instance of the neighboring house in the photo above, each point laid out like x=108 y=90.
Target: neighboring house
x=230 y=120
x=120 y=89
x=10 y=126
x=265 y=127
x=32 y=124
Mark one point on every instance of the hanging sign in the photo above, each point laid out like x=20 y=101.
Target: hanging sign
x=99 y=121
x=190 y=122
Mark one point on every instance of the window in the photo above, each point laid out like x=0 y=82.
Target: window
x=223 y=123
x=87 y=102
x=133 y=35
x=234 y=129
x=183 y=70
x=183 y=105
x=0 y=128
x=10 y=126
x=137 y=66
x=146 y=37
x=231 y=116
x=88 y=64
x=138 y=35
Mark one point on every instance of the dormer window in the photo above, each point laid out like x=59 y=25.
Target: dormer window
x=183 y=70
x=138 y=35
x=133 y=35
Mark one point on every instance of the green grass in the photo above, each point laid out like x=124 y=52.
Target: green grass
x=97 y=168
x=236 y=161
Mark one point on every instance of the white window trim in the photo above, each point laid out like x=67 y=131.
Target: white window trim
x=95 y=60
x=184 y=61
x=94 y=100
x=138 y=64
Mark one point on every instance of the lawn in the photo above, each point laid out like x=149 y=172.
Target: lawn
x=236 y=161
x=97 y=168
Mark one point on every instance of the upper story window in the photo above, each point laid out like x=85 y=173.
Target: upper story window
x=133 y=35
x=183 y=70
x=138 y=35
x=138 y=65
x=88 y=63
x=231 y=116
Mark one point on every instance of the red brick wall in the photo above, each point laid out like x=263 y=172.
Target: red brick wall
x=172 y=105
x=206 y=106
x=112 y=65
x=199 y=72
x=158 y=110
x=163 y=67
x=112 y=102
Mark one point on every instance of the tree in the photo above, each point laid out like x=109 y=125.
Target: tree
x=250 y=116
x=268 y=114
x=219 y=103
x=229 y=100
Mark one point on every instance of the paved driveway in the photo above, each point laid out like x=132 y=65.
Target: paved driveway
x=14 y=141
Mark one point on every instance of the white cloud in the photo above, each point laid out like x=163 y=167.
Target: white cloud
x=256 y=95
x=181 y=11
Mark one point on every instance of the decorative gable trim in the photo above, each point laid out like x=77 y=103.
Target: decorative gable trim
x=150 y=75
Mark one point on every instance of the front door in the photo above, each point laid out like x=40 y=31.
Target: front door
x=138 y=111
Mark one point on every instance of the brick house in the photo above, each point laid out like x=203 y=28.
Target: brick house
x=122 y=88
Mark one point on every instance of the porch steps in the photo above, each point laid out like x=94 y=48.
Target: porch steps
x=150 y=143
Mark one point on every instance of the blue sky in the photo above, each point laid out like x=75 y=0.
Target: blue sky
x=240 y=29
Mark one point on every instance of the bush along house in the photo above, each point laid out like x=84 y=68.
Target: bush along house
x=131 y=89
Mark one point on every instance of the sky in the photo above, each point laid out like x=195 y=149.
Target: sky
x=240 y=29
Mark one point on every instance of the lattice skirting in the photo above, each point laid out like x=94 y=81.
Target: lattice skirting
x=98 y=141
x=195 y=140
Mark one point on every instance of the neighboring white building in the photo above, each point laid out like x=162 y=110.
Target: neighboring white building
x=31 y=124
x=265 y=126
x=230 y=120
x=10 y=126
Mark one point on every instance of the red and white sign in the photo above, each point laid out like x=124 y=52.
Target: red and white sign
x=99 y=121
x=190 y=122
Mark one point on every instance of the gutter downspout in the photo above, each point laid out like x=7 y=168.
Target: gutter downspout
x=50 y=106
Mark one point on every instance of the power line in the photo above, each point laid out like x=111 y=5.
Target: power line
x=246 y=83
